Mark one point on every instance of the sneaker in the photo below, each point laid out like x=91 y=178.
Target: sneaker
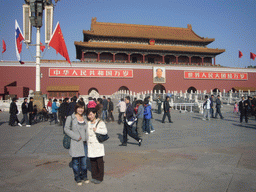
x=86 y=180
x=19 y=124
x=152 y=131
x=146 y=133
x=140 y=142
x=79 y=183
x=96 y=181
x=28 y=125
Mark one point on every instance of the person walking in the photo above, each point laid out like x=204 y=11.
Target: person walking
x=243 y=109
x=105 y=109
x=63 y=111
x=207 y=107
x=75 y=127
x=24 y=108
x=122 y=106
x=129 y=117
x=211 y=106
x=140 y=117
x=30 y=110
x=167 y=110
x=110 y=110
x=159 y=104
x=218 y=106
x=54 y=112
x=147 y=116
x=96 y=149
x=13 y=112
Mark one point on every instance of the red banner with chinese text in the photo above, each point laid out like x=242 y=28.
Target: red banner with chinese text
x=215 y=75
x=81 y=72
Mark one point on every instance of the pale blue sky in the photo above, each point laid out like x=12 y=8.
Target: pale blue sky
x=231 y=23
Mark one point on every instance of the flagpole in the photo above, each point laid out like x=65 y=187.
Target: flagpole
x=38 y=55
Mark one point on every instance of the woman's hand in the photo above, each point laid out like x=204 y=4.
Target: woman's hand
x=94 y=129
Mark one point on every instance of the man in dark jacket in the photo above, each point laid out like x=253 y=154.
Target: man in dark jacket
x=159 y=104
x=63 y=110
x=71 y=106
x=13 y=112
x=167 y=110
x=105 y=109
x=30 y=109
x=218 y=106
x=24 y=108
x=243 y=109
x=129 y=117
x=110 y=110
x=211 y=105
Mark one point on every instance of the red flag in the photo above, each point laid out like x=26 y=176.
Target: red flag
x=57 y=42
x=252 y=56
x=4 y=47
x=42 y=47
x=240 y=54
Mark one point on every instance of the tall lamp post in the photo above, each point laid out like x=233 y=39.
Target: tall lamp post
x=35 y=10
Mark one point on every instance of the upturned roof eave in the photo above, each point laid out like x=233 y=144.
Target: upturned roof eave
x=149 y=47
x=203 y=40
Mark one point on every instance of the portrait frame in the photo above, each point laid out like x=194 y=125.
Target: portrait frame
x=159 y=79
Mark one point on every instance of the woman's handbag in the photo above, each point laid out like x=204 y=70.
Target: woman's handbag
x=101 y=138
x=66 y=141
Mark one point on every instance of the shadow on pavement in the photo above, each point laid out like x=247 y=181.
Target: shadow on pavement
x=245 y=125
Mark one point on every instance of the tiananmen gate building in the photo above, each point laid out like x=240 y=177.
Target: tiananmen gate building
x=130 y=57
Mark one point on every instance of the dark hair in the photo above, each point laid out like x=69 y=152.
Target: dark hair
x=135 y=98
x=82 y=99
x=100 y=100
x=31 y=98
x=206 y=96
x=50 y=99
x=14 y=99
x=218 y=96
x=25 y=98
x=160 y=69
x=146 y=102
x=66 y=99
x=90 y=98
x=128 y=98
x=139 y=102
x=167 y=97
x=109 y=99
x=60 y=100
x=93 y=110
x=104 y=97
x=122 y=99
x=74 y=98
x=79 y=104
x=54 y=100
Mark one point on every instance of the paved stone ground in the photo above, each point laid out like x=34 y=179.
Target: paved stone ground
x=187 y=155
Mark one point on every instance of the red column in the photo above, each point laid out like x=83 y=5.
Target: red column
x=163 y=59
x=214 y=61
x=202 y=61
x=114 y=57
x=177 y=59
x=98 y=59
x=82 y=59
x=143 y=58
x=129 y=58
x=189 y=60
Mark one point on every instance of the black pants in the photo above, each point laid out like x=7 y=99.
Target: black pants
x=30 y=118
x=121 y=114
x=13 y=119
x=97 y=168
x=110 y=116
x=168 y=115
x=128 y=129
x=159 y=108
x=218 y=112
x=243 y=114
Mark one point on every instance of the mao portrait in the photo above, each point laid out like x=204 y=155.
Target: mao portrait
x=158 y=75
